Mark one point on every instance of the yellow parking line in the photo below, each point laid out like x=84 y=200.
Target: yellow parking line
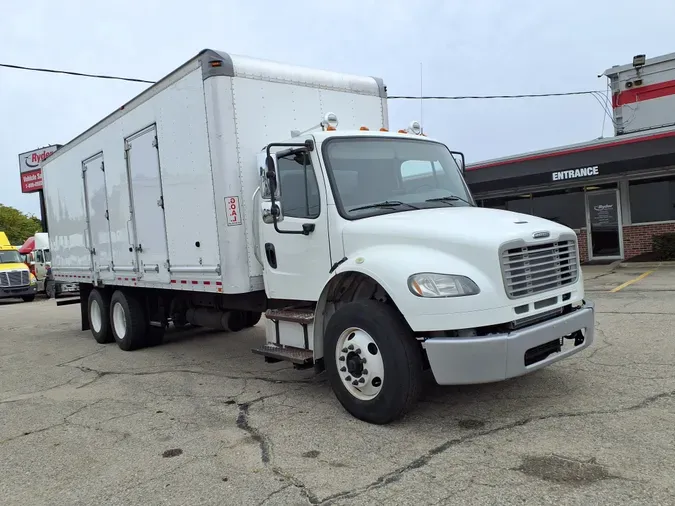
x=631 y=281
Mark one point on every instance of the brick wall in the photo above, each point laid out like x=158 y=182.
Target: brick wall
x=637 y=239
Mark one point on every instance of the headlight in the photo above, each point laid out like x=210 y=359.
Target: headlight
x=429 y=284
x=33 y=279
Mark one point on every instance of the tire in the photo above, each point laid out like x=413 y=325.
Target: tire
x=28 y=298
x=400 y=364
x=98 y=308
x=252 y=318
x=128 y=321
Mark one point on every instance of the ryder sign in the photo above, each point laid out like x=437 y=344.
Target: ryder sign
x=31 y=169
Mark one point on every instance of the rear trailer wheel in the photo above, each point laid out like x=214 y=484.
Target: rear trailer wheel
x=129 y=324
x=99 y=319
x=373 y=361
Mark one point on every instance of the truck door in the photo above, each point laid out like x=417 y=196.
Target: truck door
x=98 y=234
x=147 y=205
x=296 y=266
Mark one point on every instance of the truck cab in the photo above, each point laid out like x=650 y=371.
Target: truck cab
x=16 y=280
x=382 y=231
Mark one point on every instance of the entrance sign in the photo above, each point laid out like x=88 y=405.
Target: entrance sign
x=576 y=173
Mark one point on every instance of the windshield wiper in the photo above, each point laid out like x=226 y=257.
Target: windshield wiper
x=449 y=199
x=385 y=203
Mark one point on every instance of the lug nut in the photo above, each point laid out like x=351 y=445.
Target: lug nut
x=344 y=350
x=363 y=360
x=348 y=378
x=362 y=380
x=355 y=382
x=351 y=347
x=365 y=371
x=343 y=369
x=342 y=359
x=358 y=351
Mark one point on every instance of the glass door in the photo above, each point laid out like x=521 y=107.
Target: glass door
x=604 y=226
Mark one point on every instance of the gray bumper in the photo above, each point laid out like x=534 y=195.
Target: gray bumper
x=457 y=361
x=18 y=291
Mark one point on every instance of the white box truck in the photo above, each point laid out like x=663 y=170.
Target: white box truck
x=235 y=187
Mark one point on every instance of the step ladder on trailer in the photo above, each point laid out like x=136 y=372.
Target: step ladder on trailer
x=290 y=336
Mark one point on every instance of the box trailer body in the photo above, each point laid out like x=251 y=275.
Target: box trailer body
x=235 y=187
x=188 y=148
x=643 y=93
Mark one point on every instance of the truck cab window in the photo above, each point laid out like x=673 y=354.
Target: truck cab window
x=48 y=255
x=39 y=258
x=298 y=186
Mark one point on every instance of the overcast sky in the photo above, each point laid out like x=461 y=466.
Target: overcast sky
x=484 y=47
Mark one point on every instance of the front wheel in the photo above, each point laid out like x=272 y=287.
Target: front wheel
x=373 y=361
x=28 y=298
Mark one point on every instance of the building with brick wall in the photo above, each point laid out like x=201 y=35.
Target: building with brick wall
x=617 y=193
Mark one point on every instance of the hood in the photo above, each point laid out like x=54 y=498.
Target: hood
x=449 y=228
x=13 y=267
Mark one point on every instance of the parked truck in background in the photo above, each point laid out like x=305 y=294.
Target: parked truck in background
x=37 y=255
x=16 y=280
x=235 y=187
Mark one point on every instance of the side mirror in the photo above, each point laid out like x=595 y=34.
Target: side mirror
x=268 y=176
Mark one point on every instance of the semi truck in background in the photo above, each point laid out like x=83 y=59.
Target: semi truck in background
x=16 y=280
x=36 y=254
x=235 y=187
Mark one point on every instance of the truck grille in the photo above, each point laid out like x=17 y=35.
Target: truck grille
x=13 y=279
x=528 y=270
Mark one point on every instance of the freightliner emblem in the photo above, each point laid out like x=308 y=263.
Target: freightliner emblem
x=541 y=235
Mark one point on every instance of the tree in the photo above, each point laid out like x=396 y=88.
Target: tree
x=17 y=225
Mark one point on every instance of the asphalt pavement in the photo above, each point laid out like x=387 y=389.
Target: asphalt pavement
x=201 y=420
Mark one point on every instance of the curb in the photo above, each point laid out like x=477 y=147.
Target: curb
x=647 y=265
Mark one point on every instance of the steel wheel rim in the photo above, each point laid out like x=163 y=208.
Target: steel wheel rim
x=359 y=364
x=95 y=316
x=119 y=321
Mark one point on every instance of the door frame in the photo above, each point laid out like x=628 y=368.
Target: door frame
x=589 y=231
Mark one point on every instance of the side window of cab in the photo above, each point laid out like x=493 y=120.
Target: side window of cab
x=299 y=190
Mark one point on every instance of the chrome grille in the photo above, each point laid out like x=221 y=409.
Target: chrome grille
x=13 y=279
x=533 y=269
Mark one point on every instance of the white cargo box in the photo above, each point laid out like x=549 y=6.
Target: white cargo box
x=158 y=194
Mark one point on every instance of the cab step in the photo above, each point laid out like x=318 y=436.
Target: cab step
x=295 y=315
x=275 y=353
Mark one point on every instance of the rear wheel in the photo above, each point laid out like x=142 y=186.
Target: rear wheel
x=252 y=318
x=373 y=361
x=128 y=321
x=99 y=320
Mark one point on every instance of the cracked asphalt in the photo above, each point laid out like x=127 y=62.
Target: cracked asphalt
x=201 y=420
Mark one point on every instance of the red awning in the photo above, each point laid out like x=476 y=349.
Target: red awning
x=28 y=246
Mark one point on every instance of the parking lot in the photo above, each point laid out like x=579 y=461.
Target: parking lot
x=201 y=420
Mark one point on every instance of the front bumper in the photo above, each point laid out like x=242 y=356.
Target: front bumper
x=471 y=360
x=17 y=291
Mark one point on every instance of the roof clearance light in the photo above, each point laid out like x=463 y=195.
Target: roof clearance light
x=330 y=121
x=383 y=129
x=403 y=131
x=365 y=128
x=415 y=127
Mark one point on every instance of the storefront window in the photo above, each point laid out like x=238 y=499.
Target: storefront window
x=652 y=200
x=566 y=206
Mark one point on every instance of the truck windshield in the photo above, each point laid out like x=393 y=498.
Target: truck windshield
x=382 y=175
x=10 y=257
